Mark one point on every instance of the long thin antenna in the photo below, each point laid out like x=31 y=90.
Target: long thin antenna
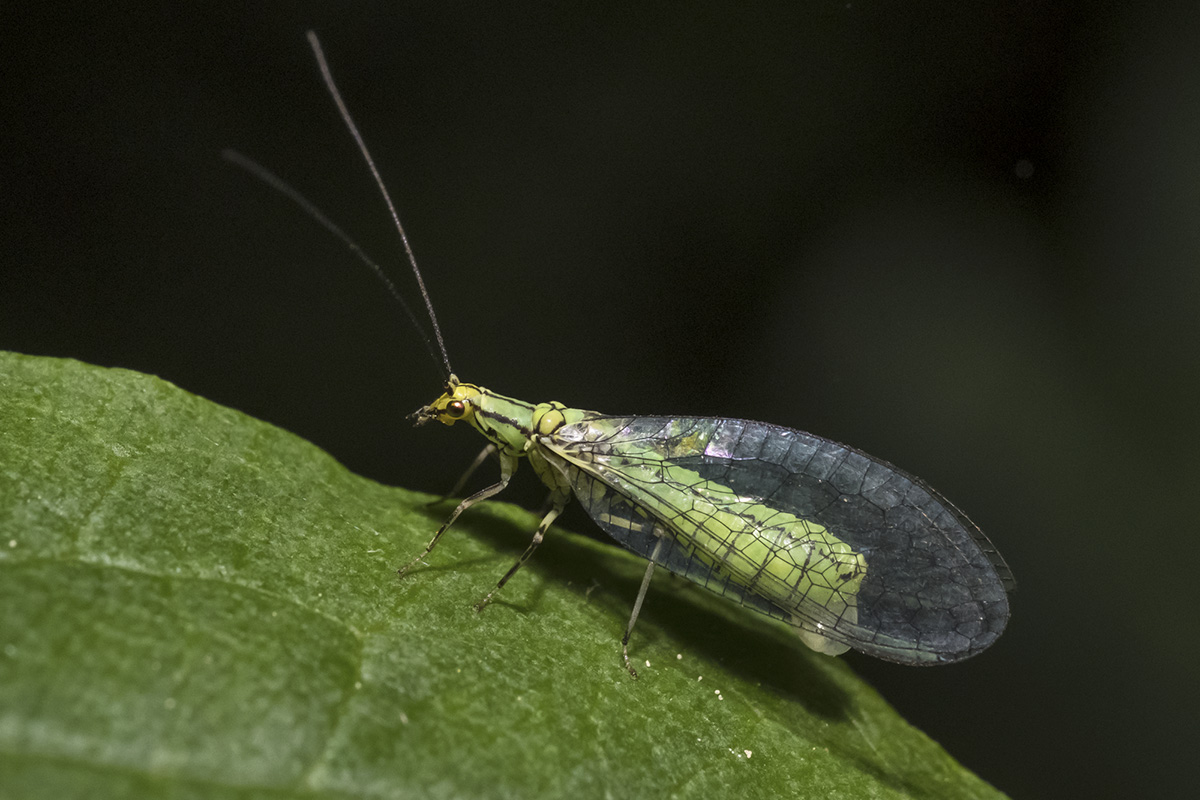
x=287 y=190
x=327 y=76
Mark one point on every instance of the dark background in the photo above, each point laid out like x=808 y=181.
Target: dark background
x=963 y=237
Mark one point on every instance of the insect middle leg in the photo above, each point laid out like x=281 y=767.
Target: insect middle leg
x=557 y=502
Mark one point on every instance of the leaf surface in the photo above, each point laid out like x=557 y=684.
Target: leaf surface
x=196 y=603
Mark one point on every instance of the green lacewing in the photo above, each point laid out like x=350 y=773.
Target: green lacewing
x=848 y=550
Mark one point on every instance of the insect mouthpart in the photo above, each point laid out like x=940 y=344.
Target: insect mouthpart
x=422 y=415
x=441 y=410
x=458 y=402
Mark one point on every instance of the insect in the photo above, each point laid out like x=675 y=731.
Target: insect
x=848 y=550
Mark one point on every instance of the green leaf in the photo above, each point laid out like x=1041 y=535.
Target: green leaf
x=196 y=603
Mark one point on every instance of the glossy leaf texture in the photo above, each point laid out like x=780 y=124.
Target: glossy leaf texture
x=197 y=604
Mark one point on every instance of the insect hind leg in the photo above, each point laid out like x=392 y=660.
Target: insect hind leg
x=637 y=607
x=557 y=502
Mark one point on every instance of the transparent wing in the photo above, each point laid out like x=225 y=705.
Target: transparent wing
x=850 y=550
x=640 y=527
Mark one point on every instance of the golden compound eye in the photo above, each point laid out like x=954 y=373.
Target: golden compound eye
x=455 y=409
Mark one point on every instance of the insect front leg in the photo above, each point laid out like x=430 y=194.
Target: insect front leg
x=558 y=501
x=508 y=465
x=466 y=476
